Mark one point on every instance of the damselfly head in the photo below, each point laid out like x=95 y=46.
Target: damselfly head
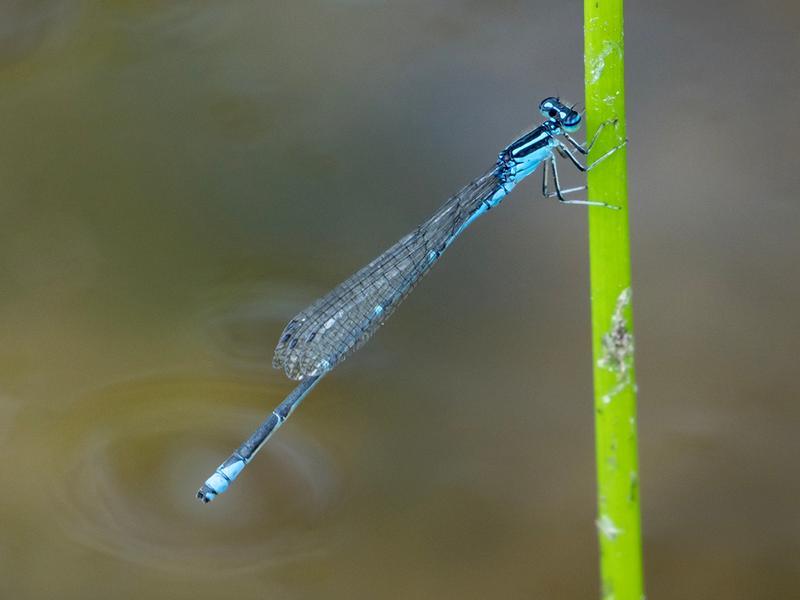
x=560 y=113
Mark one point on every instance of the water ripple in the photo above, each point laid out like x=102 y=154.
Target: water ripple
x=243 y=323
x=131 y=457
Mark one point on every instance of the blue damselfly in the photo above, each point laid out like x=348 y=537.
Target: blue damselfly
x=337 y=324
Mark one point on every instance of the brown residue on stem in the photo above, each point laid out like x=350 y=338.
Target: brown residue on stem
x=617 y=343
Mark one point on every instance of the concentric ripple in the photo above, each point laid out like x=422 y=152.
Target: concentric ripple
x=244 y=323
x=131 y=457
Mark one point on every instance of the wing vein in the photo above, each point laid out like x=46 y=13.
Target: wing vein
x=333 y=327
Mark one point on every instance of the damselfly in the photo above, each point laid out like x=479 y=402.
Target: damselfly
x=336 y=325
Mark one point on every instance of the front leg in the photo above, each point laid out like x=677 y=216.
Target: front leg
x=585 y=149
x=564 y=150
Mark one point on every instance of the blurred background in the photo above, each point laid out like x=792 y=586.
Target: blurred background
x=178 y=178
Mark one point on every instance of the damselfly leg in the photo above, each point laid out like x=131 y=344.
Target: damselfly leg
x=564 y=151
x=559 y=193
x=585 y=148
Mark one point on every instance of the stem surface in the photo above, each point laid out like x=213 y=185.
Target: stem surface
x=618 y=520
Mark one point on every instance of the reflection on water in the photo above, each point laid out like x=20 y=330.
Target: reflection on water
x=129 y=457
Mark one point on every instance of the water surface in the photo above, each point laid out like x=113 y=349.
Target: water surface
x=179 y=178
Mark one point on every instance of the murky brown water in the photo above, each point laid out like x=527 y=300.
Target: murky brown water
x=179 y=178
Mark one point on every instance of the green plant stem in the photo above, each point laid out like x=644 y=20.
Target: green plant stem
x=618 y=520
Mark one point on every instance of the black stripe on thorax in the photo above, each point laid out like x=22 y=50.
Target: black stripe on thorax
x=530 y=142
